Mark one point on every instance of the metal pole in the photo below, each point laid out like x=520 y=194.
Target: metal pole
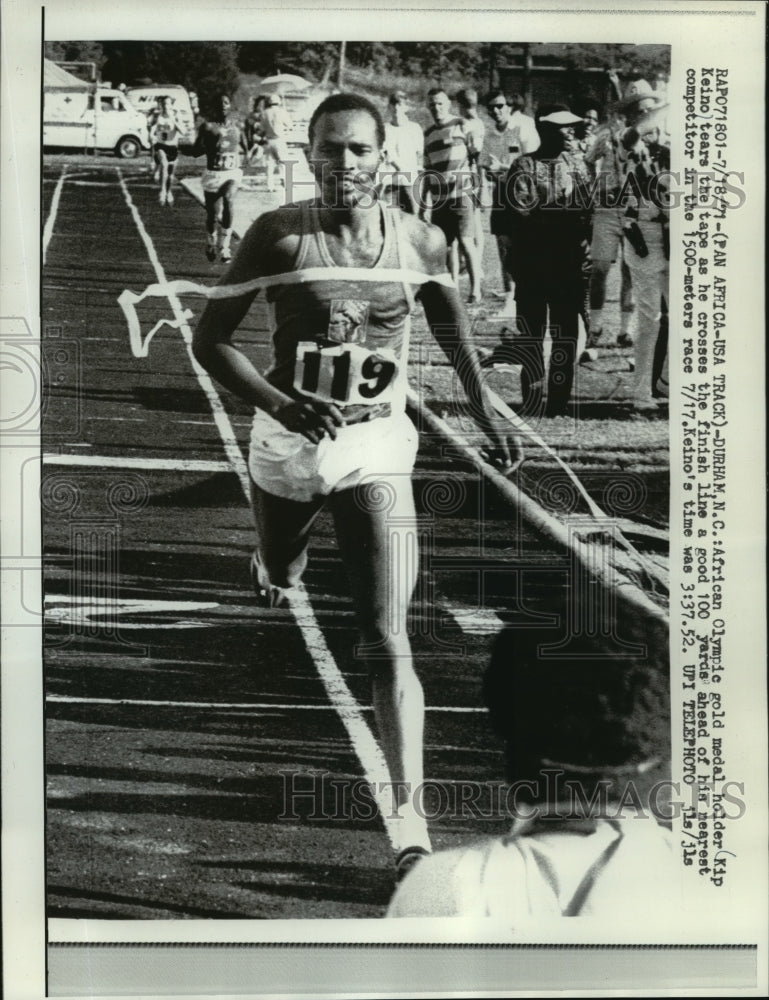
x=340 y=75
x=526 y=78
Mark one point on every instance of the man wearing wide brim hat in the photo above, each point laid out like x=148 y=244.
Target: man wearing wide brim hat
x=549 y=262
x=643 y=107
x=645 y=225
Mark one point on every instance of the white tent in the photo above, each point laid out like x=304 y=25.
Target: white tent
x=55 y=76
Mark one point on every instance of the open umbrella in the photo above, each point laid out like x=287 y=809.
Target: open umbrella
x=284 y=82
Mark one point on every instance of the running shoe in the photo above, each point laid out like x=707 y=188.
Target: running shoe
x=269 y=596
x=225 y=255
x=170 y=198
x=162 y=197
x=406 y=860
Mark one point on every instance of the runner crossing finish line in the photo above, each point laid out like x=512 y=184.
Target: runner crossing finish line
x=341 y=275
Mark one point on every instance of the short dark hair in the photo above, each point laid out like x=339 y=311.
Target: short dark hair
x=591 y=712
x=495 y=94
x=467 y=98
x=437 y=90
x=347 y=102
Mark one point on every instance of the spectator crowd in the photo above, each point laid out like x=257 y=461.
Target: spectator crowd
x=568 y=196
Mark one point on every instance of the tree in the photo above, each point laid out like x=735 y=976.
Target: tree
x=92 y=52
x=209 y=68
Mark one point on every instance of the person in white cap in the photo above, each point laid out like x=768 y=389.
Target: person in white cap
x=276 y=127
x=646 y=228
x=549 y=261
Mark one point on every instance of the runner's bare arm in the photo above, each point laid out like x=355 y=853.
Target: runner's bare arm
x=198 y=148
x=261 y=252
x=449 y=325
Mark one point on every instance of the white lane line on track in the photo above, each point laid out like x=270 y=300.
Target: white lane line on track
x=221 y=419
x=475 y=621
x=366 y=747
x=245 y=706
x=122 y=462
x=63 y=609
x=51 y=220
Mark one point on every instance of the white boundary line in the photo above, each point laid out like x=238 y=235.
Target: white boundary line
x=366 y=747
x=65 y=699
x=221 y=419
x=51 y=220
x=120 y=462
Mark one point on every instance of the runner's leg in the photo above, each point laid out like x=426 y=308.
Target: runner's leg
x=380 y=551
x=162 y=164
x=282 y=532
x=169 y=182
x=227 y=193
x=211 y=199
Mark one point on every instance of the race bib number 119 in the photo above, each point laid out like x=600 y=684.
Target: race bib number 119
x=345 y=373
x=226 y=161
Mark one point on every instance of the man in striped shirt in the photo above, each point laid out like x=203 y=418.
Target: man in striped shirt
x=449 y=184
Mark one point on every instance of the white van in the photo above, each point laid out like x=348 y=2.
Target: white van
x=88 y=119
x=145 y=99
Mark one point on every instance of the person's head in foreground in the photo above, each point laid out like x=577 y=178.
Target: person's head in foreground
x=346 y=135
x=601 y=719
x=587 y=747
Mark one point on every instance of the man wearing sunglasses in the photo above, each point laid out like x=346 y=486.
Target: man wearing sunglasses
x=512 y=135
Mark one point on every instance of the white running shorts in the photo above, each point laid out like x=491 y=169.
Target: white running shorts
x=288 y=465
x=212 y=180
